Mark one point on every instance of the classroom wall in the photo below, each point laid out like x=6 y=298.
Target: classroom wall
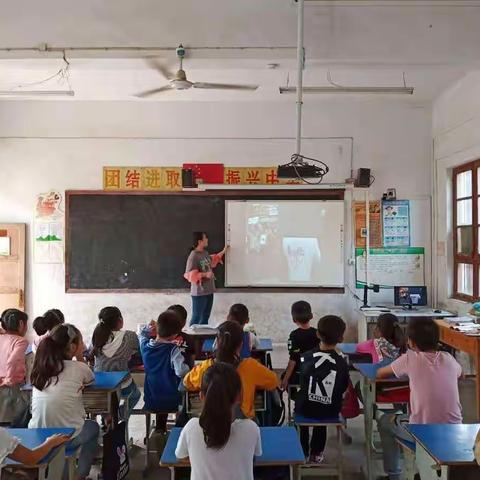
x=456 y=134
x=64 y=145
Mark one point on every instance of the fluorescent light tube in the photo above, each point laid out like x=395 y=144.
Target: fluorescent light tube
x=33 y=93
x=380 y=90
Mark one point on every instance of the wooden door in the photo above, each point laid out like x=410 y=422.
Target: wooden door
x=12 y=266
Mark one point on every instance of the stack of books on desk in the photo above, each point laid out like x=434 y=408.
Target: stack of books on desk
x=465 y=325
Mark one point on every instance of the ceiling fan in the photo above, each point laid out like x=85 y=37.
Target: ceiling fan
x=179 y=81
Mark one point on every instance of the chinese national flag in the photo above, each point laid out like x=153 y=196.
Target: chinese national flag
x=208 y=172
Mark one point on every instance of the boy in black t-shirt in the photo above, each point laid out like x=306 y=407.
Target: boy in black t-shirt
x=323 y=381
x=301 y=340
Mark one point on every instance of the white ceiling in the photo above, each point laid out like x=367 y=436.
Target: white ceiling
x=368 y=44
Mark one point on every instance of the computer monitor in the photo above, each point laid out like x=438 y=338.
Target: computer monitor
x=410 y=297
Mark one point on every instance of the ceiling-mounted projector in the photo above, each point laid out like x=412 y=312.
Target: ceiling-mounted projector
x=299 y=168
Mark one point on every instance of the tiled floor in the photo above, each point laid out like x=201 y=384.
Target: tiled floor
x=354 y=453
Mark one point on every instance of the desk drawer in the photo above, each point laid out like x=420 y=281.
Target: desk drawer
x=459 y=340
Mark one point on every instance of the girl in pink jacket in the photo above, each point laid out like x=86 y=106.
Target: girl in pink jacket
x=388 y=341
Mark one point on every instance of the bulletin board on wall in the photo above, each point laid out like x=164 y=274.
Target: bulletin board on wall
x=400 y=242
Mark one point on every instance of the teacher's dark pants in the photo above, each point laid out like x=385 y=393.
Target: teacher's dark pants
x=201 y=309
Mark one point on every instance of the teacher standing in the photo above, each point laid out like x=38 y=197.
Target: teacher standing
x=199 y=272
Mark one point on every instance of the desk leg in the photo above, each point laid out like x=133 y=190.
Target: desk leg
x=294 y=472
x=368 y=392
x=427 y=467
x=172 y=473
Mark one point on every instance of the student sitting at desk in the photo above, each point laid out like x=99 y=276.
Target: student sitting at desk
x=184 y=340
x=164 y=366
x=434 y=398
x=42 y=325
x=388 y=341
x=113 y=348
x=58 y=382
x=323 y=381
x=300 y=340
x=217 y=443
x=10 y=447
x=253 y=374
x=14 y=405
x=239 y=313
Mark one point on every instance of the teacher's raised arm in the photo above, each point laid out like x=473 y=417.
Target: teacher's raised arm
x=199 y=272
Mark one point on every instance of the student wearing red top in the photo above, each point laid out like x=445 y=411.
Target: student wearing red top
x=14 y=405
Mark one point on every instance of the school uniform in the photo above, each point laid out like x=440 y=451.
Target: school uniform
x=324 y=379
x=14 y=404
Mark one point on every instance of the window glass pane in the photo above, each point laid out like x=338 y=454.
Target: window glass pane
x=465 y=278
x=464 y=212
x=465 y=240
x=464 y=184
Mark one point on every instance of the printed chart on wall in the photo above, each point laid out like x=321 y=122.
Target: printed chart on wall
x=49 y=228
x=389 y=267
x=396 y=223
x=375 y=220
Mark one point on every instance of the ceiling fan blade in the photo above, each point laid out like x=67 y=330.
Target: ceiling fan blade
x=224 y=86
x=153 y=91
x=160 y=67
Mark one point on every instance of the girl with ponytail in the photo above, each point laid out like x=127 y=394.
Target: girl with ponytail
x=14 y=405
x=42 y=325
x=58 y=382
x=388 y=341
x=253 y=375
x=217 y=444
x=113 y=348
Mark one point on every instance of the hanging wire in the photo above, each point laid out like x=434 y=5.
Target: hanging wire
x=63 y=75
x=331 y=82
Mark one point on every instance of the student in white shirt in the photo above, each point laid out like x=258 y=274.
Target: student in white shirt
x=216 y=444
x=58 y=382
x=10 y=447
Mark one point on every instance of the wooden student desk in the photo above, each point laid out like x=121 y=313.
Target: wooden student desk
x=464 y=343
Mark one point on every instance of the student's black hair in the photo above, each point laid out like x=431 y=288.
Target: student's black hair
x=108 y=322
x=238 y=313
x=51 y=318
x=181 y=311
x=331 y=329
x=229 y=341
x=424 y=333
x=168 y=324
x=221 y=388
x=12 y=319
x=302 y=312
x=51 y=353
x=197 y=237
x=390 y=329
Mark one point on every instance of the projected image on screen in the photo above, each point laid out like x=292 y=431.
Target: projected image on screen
x=285 y=243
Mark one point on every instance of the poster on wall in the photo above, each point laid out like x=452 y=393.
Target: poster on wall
x=4 y=246
x=396 y=223
x=389 y=267
x=375 y=224
x=49 y=228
